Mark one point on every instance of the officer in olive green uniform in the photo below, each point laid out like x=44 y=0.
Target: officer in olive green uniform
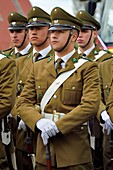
x=18 y=35
x=89 y=48
x=86 y=45
x=7 y=100
x=65 y=110
x=105 y=116
x=20 y=48
x=38 y=24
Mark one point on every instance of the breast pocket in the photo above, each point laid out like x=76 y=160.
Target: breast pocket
x=41 y=87
x=72 y=93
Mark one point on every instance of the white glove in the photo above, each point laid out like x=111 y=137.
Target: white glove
x=104 y=115
x=22 y=125
x=48 y=129
x=108 y=126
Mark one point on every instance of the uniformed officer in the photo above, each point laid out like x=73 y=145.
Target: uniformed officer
x=67 y=108
x=7 y=100
x=18 y=34
x=86 y=44
x=105 y=115
x=87 y=38
x=20 y=48
x=38 y=24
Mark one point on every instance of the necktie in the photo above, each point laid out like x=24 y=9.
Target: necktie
x=37 y=55
x=18 y=55
x=82 y=55
x=58 y=65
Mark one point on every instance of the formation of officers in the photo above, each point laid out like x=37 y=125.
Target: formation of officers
x=56 y=94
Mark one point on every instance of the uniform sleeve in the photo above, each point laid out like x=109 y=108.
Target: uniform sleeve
x=7 y=86
x=102 y=106
x=109 y=104
x=26 y=103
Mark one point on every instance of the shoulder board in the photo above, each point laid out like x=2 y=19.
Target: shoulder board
x=107 y=58
x=108 y=51
x=86 y=58
x=7 y=49
x=7 y=55
x=2 y=56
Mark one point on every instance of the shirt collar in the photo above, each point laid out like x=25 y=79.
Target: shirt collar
x=24 y=51
x=43 y=52
x=66 y=57
x=87 y=52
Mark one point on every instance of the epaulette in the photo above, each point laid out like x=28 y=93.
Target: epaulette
x=107 y=58
x=109 y=52
x=4 y=54
x=86 y=58
x=7 y=50
x=7 y=55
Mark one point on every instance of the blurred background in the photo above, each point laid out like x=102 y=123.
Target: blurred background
x=102 y=10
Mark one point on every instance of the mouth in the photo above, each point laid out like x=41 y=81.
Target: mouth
x=54 y=42
x=15 y=41
x=34 y=38
x=79 y=41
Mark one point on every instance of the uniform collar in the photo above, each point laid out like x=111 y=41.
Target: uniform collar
x=87 y=52
x=66 y=57
x=43 y=52
x=24 y=51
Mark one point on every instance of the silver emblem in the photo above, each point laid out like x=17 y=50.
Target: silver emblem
x=56 y=21
x=34 y=19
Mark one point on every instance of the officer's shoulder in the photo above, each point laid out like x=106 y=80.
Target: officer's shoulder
x=7 y=50
x=108 y=51
x=3 y=56
x=108 y=58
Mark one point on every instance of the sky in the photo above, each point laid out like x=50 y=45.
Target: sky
x=48 y=5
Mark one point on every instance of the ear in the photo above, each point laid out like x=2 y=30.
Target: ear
x=74 y=36
x=95 y=33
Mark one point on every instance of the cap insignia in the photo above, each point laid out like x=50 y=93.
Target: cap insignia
x=13 y=23
x=56 y=21
x=34 y=19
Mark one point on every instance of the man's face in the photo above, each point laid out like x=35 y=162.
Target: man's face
x=17 y=37
x=58 y=38
x=37 y=35
x=84 y=37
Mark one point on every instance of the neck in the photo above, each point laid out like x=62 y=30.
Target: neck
x=65 y=51
x=39 y=48
x=86 y=48
x=23 y=46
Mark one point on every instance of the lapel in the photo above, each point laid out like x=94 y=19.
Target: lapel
x=70 y=63
x=29 y=62
x=94 y=52
x=49 y=66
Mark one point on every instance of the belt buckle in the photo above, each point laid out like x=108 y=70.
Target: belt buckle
x=56 y=116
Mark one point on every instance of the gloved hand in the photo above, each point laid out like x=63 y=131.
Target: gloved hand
x=104 y=115
x=108 y=126
x=48 y=129
x=22 y=125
